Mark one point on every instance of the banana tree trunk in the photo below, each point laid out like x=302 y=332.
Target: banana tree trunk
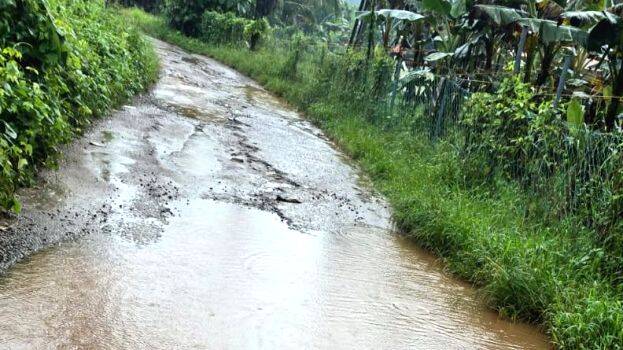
x=358 y=23
x=529 y=63
x=386 y=33
x=489 y=47
x=617 y=90
x=546 y=62
x=371 y=31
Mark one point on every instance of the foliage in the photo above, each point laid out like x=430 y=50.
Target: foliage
x=186 y=15
x=511 y=114
x=153 y=6
x=221 y=28
x=62 y=63
x=254 y=30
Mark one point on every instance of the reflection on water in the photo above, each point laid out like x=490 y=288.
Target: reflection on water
x=222 y=276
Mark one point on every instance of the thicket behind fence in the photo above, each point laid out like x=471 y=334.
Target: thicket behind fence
x=507 y=130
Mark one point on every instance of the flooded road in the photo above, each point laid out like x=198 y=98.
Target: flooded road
x=208 y=215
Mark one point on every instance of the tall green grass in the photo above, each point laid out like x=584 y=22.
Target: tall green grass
x=548 y=273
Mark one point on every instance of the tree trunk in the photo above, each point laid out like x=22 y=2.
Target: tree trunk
x=529 y=62
x=546 y=62
x=356 y=27
x=613 y=108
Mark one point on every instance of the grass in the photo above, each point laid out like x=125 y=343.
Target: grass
x=546 y=273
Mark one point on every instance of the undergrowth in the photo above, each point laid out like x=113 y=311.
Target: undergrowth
x=62 y=64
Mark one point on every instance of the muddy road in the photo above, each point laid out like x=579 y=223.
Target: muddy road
x=208 y=215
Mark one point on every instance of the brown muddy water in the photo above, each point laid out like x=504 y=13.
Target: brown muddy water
x=208 y=215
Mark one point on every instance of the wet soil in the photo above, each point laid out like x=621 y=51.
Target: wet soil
x=209 y=215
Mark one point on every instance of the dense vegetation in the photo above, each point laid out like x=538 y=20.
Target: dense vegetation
x=62 y=63
x=496 y=151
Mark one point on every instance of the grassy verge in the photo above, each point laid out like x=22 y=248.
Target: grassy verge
x=62 y=64
x=546 y=273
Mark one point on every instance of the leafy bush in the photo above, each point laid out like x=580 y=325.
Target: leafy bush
x=509 y=125
x=227 y=28
x=220 y=28
x=61 y=63
x=153 y=6
x=254 y=30
x=186 y=15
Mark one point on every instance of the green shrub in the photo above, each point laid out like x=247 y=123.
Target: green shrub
x=220 y=28
x=61 y=63
x=186 y=15
x=254 y=30
x=153 y=6
x=227 y=28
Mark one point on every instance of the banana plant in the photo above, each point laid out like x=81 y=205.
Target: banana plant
x=607 y=36
x=390 y=17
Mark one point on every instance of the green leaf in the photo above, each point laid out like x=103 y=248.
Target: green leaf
x=21 y=163
x=551 y=32
x=575 y=112
x=9 y=131
x=15 y=206
x=436 y=56
x=404 y=15
x=606 y=32
x=500 y=15
x=401 y=15
x=440 y=7
x=459 y=8
x=583 y=18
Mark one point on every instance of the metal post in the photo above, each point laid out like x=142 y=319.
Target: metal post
x=561 y=80
x=520 y=49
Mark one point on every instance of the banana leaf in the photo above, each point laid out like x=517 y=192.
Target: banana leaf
x=499 y=15
x=436 y=56
x=583 y=18
x=440 y=7
x=550 y=32
x=403 y=15
x=607 y=32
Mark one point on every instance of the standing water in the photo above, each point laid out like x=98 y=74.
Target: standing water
x=216 y=218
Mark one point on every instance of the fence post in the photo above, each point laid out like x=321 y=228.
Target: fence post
x=520 y=49
x=561 y=80
x=395 y=84
x=440 y=106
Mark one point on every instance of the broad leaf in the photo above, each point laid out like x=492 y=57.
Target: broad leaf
x=551 y=32
x=583 y=18
x=459 y=8
x=424 y=73
x=499 y=15
x=436 y=56
x=401 y=15
x=575 y=112
x=607 y=32
x=440 y=7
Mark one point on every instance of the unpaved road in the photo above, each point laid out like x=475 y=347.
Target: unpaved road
x=208 y=215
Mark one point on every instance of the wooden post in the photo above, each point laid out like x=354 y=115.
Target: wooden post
x=561 y=80
x=520 y=49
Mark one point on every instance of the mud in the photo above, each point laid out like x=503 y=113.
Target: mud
x=210 y=215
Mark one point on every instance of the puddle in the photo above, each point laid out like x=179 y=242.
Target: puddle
x=221 y=276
